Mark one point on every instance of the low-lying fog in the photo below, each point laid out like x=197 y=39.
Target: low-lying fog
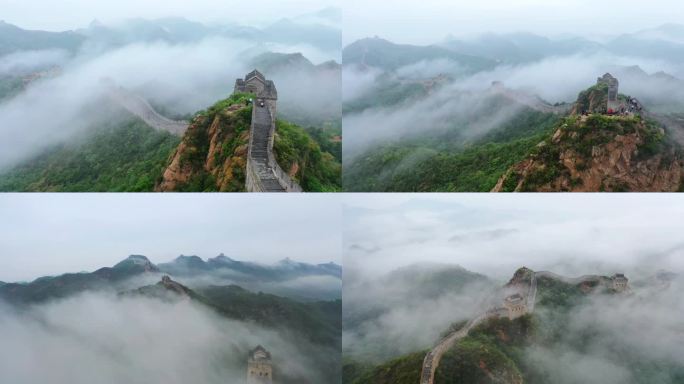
x=183 y=77
x=555 y=78
x=638 y=235
x=107 y=339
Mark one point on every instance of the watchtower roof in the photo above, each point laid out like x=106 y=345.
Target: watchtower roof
x=607 y=78
x=259 y=353
x=256 y=74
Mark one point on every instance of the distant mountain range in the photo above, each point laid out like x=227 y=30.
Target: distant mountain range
x=283 y=270
x=215 y=270
x=172 y=30
x=313 y=325
x=270 y=62
x=381 y=53
x=665 y=42
x=13 y=38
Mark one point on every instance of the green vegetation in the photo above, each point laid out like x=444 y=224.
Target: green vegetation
x=402 y=370
x=316 y=170
x=549 y=154
x=131 y=156
x=418 y=169
x=319 y=322
x=593 y=99
x=556 y=295
x=495 y=347
x=221 y=105
x=115 y=157
x=450 y=165
x=329 y=138
x=579 y=137
x=491 y=353
x=386 y=93
x=225 y=123
x=10 y=86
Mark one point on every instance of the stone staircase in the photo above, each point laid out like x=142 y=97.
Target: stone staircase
x=260 y=148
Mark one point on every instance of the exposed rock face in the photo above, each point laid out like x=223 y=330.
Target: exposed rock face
x=600 y=153
x=522 y=276
x=175 y=174
x=173 y=286
x=212 y=154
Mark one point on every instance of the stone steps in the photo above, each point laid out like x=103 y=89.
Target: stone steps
x=261 y=129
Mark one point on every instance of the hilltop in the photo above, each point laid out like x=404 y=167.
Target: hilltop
x=598 y=149
x=212 y=154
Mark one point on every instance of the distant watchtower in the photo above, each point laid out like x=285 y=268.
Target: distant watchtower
x=516 y=306
x=620 y=282
x=259 y=368
x=613 y=85
x=255 y=82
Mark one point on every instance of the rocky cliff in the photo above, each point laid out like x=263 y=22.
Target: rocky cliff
x=589 y=153
x=213 y=152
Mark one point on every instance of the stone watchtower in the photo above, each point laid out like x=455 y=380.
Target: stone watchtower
x=620 y=282
x=613 y=84
x=259 y=367
x=516 y=306
x=255 y=82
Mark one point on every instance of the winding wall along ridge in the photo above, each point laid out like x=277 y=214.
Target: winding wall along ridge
x=139 y=107
x=432 y=359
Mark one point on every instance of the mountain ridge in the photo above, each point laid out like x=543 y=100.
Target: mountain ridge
x=596 y=149
x=137 y=266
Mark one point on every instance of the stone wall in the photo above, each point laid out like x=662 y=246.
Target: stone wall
x=256 y=170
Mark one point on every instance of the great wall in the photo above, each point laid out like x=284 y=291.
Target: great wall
x=513 y=306
x=528 y=100
x=139 y=107
x=263 y=174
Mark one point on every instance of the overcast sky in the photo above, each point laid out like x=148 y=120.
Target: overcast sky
x=573 y=234
x=49 y=234
x=429 y=21
x=57 y=15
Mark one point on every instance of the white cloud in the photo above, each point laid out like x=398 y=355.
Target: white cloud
x=105 y=339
